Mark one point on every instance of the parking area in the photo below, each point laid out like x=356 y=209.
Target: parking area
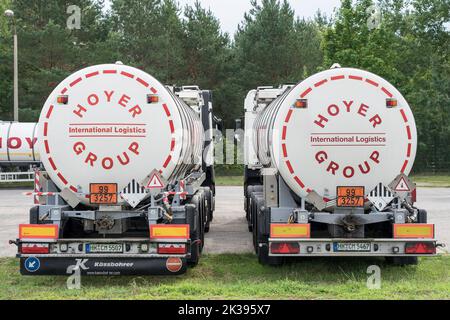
x=229 y=229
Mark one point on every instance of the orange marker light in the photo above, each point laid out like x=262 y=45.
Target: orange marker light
x=391 y=103
x=301 y=103
x=62 y=99
x=152 y=98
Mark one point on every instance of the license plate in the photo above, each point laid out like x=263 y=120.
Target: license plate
x=104 y=248
x=103 y=193
x=352 y=247
x=350 y=196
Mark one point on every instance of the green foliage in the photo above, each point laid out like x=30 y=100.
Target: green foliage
x=240 y=276
x=410 y=48
x=4 y=4
x=274 y=47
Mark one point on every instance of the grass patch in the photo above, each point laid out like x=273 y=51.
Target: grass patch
x=433 y=181
x=425 y=180
x=229 y=180
x=241 y=277
x=16 y=185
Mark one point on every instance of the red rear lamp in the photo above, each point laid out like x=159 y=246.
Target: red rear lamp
x=152 y=98
x=285 y=248
x=35 y=248
x=62 y=99
x=301 y=103
x=391 y=103
x=171 y=248
x=420 y=248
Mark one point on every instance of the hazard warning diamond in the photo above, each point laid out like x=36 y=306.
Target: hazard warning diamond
x=402 y=186
x=154 y=181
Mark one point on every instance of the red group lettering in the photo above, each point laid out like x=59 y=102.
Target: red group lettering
x=107 y=163
x=348 y=171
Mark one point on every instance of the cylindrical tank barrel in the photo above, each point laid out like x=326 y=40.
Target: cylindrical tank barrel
x=115 y=124
x=18 y=143
x=339 y=127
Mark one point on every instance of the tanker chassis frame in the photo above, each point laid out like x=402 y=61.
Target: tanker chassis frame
x=285 y=226
x=132 y=233
x=163 y=235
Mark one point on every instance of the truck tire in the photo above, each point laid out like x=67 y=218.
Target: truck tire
x=207 y=226
x=258 y=202
x=193 y=220
x=402 y=261
x=249 y=214
x=197 y=200
x=34 y=215
x=262 y=237
x=422 y=216
x=209 y=208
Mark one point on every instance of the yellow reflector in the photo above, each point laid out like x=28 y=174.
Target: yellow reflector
x=38 y=231
x=176 y=231
x=416 y=230
x=290 y=230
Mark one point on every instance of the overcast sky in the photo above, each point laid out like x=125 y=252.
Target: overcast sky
x=231 y=12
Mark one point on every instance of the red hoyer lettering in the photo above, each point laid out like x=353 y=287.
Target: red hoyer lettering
x=16 y=142
x=333 y=110
x=348 y=171
x=94 y=99
x=107 y=163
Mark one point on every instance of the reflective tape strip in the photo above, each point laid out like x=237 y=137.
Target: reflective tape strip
x=294 y=230
x=414 y=231
x=172 y=231
x=38 y=231
x=40 y=194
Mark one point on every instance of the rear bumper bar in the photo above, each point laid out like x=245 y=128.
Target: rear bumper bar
x=329 y=247
x=132 y=261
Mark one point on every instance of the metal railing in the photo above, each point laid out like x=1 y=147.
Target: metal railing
x=16 y=177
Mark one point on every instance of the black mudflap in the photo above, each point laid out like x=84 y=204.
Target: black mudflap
x=102 y=266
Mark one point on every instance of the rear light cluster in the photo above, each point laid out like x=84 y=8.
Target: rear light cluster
x=35 y=248
x=420 y=248
x=171 y=248
x=285 y=248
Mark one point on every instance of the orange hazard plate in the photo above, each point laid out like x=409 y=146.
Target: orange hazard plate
x=103 y=193
x=350 y=196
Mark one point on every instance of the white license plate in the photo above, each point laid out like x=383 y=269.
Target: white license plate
x=352 y=247
x=104 y=248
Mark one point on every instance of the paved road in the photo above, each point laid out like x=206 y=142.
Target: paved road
x=229 y=230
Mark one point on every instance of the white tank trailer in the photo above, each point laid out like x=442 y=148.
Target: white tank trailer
x=127 y=183
x=326 y=170
x=19 y=153
x=18 y=144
